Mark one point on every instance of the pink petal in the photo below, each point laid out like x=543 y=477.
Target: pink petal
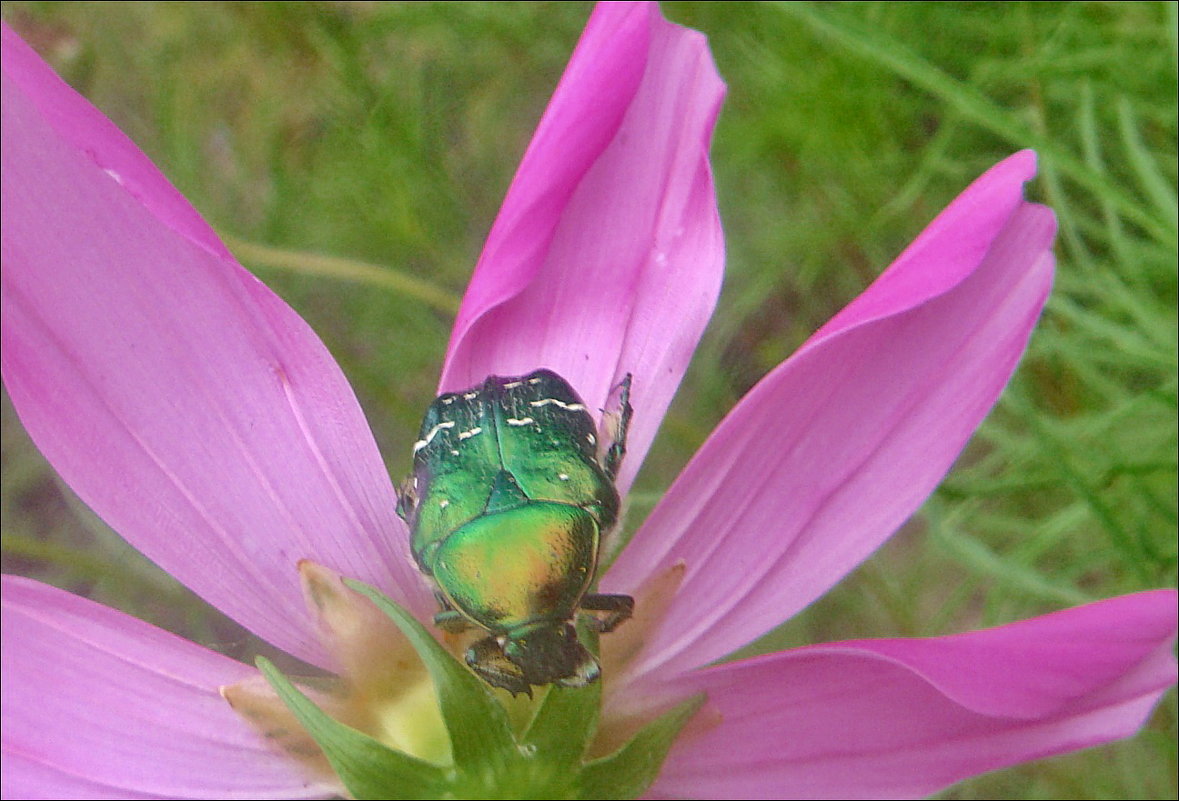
x=906 y=718
x=836 y=447
x=180 y=398
x=88 y=131
x=98 y=704
x=607 y=256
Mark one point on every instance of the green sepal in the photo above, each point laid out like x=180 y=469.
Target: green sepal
x=367 y=768
x=631 y=769
x=480 y=735
x=489 y=761
x=565 y=724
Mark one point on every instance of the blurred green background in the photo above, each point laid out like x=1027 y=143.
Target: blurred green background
x=354 y=156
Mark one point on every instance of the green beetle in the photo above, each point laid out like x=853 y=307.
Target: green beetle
x=511 y=494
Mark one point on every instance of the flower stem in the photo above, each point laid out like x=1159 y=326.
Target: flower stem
x=345 y=270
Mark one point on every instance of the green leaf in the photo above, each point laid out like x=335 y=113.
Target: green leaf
x=630 y=770
x=480 y=736
x=1151 y=178
x=367 y=768
x=854 y=35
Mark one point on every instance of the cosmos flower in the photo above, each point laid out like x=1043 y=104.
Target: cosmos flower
x=201 y=418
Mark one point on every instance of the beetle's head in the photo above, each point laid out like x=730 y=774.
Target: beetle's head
x=552 y=654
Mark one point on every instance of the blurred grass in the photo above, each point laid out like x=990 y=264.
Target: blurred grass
x=384 y=136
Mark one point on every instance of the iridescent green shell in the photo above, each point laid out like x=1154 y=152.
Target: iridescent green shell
x=507 y=507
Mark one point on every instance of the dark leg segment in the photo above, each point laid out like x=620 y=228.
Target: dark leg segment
x=451 y=621
x=486 y=658
x=615 y=423
x=618 y=609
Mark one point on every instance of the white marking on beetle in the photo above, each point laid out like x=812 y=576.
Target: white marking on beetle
x=447 y=401
x=572 y=407
x=513 y=384
x=472 y=432
x=421 y=443
x=442 y=504
x=534 y=381
x=563 y=476
x=470 y=395
x=521 y=421
x=454 y=453
x=591 y=439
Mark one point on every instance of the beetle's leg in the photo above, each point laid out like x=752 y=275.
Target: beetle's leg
x=407 y=498
x=615 y=423
x=449 y=619
x=617 y=608
x=487 y=658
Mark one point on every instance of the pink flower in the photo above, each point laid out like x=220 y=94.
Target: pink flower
x=201 y=418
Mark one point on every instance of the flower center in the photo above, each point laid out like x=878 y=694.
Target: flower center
x=380 y=723
x=381 y=688
x=412 y=723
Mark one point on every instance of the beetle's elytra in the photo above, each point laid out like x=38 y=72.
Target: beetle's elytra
x=511 y=494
